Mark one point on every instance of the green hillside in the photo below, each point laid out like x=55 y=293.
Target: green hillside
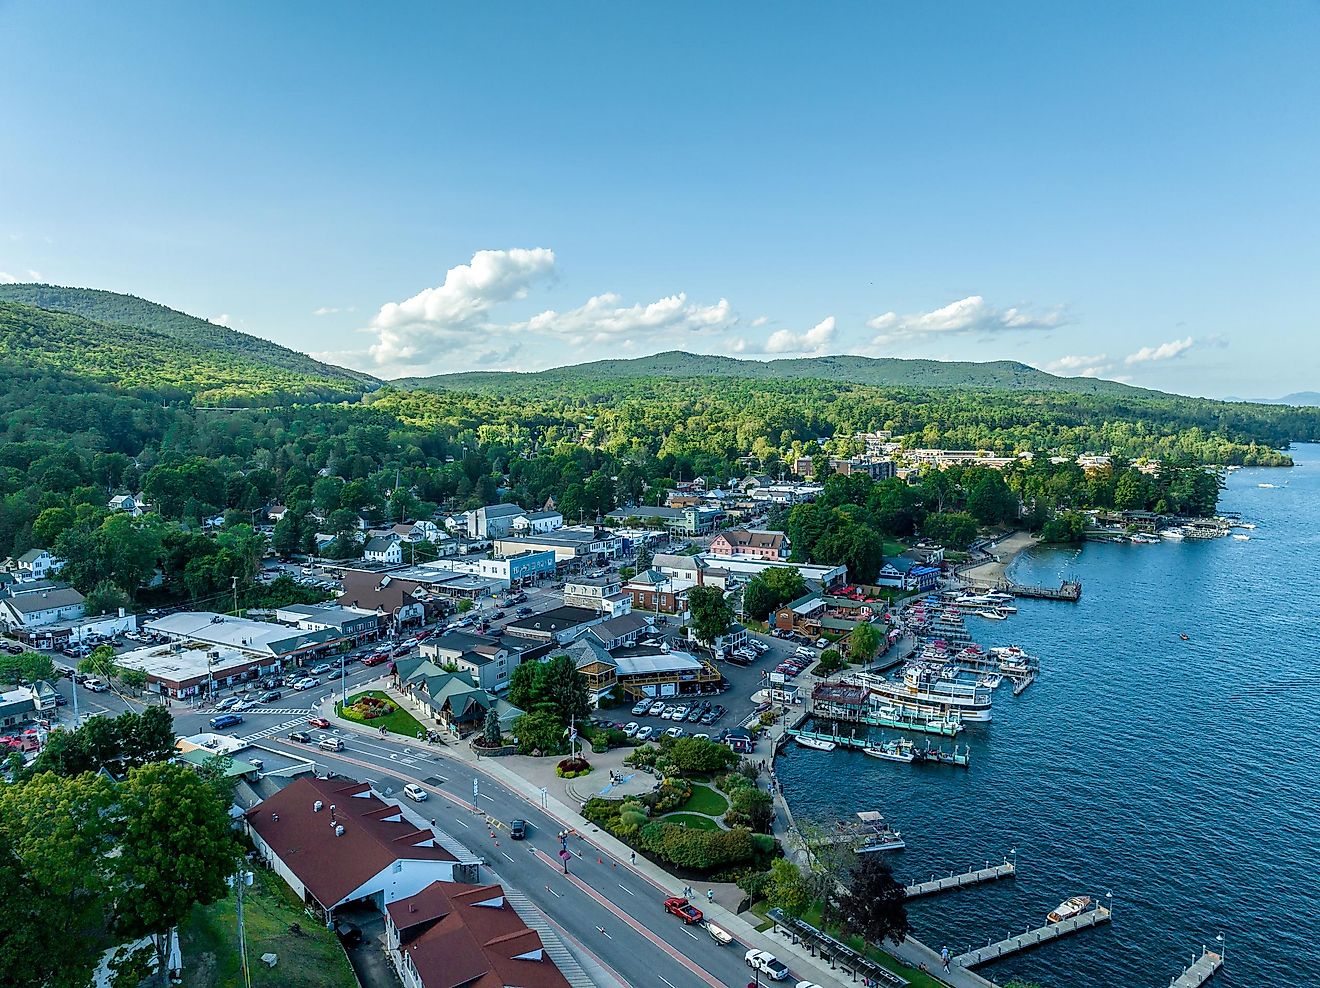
x=999 y=375
x=132 y=357
x=129 y=310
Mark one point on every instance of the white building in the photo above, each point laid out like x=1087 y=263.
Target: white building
x=31 y=605
x=537 y=522
x=492 y=521
x=384 y=549
x=37 y=564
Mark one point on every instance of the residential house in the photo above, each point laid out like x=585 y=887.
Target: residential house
x=134 y=504
x=386 y=549
x=755 y=543
x=336 y=842
x=492 y=521
x=537 y=522
x=735 y=637
x=489 y=661
x=693 y=519
x=904 y=573
x=450 y=934
x=37 y=564
x=752 y=481
x=24 y=606
x=420 y=531
x=19 y=705
x=276 y=512
x=693 y=568
x=658 y=592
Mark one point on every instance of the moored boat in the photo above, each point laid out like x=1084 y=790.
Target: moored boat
x=815 y=744
x=898 y=750
x=1172 y=534
x=1069 y=908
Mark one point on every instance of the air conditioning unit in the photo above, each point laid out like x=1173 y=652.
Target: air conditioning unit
x=316 y=807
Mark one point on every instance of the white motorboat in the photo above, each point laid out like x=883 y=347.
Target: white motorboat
x=1172 y=534
x=815 y=744
x=898 y=750
x=993 y=613
x=1241 y=538
x=1069 y=908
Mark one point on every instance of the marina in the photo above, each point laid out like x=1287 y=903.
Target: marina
x=868 y=835
x=1201 y=970
x=952 y=882
x=897 y=750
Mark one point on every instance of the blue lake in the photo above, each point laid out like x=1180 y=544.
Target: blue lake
x=1181 y=776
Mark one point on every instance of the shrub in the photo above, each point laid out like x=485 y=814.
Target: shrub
x=671 y=794
x=750 y=807
x=701 y=755
x=700 y=849
x=643 y=757
x=767 y=718
x=571 y=768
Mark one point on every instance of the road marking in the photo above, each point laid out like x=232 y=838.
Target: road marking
x=459 y=821
x=601 y=929
x=626 y=889
x=691 y=934
x=553 y=892
x=487 y=796
x=506 y=855
x=665 y=980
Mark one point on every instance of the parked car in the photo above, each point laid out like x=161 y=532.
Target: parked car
x=684 y=910
x=302 y=737
x=348 y=933
x=674 y=732
x=375 y=659
x=248 y=704
x=631 y=728
x=524 y=612
x=319 y=670
x=822 y=643
x=641 y=707
x=228 y=703
x=517 y=829
x=320 y=722
x=270 y=696
x=415 y=792
x=767 y=964
x=225 y=720
x=645 y=733
x=95 y=685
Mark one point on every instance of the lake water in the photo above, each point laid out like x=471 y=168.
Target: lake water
x=1181 y=776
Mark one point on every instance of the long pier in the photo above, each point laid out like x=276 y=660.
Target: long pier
x=1201 y=971
x=1033 y=938
x=950 y=882
x=1068 y=590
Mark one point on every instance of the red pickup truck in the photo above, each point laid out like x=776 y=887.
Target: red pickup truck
x=683 y=909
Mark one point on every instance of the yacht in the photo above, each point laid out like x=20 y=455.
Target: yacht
x=1172 y=534
x=993 y=613
x=1141 y=538
x=1069 y=908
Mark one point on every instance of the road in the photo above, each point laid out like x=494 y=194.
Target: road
x=613 y=911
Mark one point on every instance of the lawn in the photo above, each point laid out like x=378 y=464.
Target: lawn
x=399 y=722
x=690 y=820
x=706 y=800
x=894 y=548
x=311 y=958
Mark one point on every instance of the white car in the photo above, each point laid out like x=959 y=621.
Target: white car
x=702 y=737
x=767 y=964
x=307 y=683
x=642 y=708
x=656 y=707
x=631 y=728
x=320 y=670
x=645 y=732
x=415 y=792
x=822 y=643
x=674 y=732
x=247 y=704
x=228 y=703
x=680 y=713
x=806 y=984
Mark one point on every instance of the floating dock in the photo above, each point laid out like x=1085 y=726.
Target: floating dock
x=1033 y=938
x=1068 y=590
x=950 y=882
x=926 y=755
x=1022 y=682
x=1201 y=971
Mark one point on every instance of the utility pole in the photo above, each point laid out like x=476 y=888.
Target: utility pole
x=233 y=580
x=239 y=880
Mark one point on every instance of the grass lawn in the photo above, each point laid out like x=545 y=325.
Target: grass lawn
x=706 y=800
x=690 y=820
x=894 y=548
x=310 y=959
x=399 y=722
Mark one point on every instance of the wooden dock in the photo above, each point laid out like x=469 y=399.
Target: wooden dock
x=1068 y=590
x=950 y=882
x=1033 y=938
x=1201 y=971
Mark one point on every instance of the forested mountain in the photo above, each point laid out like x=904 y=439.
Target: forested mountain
x=129 y=310
x=136 y=357
x=1004 y=375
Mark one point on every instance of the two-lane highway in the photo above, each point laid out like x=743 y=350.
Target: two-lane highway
x=613 y=911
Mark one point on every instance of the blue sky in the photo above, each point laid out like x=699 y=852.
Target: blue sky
x=1124 y=189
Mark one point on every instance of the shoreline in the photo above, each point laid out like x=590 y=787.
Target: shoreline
x=1006 y=550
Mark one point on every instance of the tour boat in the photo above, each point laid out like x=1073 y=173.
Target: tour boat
x=1069 y=908
x=898 y=750
x=815 y=744
x=923 y=684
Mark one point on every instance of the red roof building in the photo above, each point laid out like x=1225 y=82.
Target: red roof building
x=335 y=841
x=451 y=934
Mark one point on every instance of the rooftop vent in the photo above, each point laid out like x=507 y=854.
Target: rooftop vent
x=316 y=807
x=339 y=831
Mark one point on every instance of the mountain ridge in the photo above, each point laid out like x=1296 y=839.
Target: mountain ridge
x=875 y=371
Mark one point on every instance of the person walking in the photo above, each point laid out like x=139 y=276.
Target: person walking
x=710 y=895
x=944 y=958
x=634 y=857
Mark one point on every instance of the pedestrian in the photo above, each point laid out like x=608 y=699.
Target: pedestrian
x=634 y=857
x=944 y=958
x=710 y=895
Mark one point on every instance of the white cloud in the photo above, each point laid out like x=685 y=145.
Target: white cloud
x=603 y=319
x=760 y=321
x=814 y=341
x=968 y=315
x=7 y=279
x=224 y=319
x=1078 y=365
x=325 y=310
x=1165 y=351
x=456 y=312
x=34 y=275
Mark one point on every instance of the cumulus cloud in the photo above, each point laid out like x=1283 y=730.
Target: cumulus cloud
x=1165 y=351
x=456 y=312
x=815 y=340
x=224 y=319
x=967 y=315
x=7 y=279
x=1078 y=365
x=603 y=318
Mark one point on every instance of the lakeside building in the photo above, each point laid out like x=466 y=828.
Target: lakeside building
x=902 y=573
x=336 y=843
x=744 y=568
x=815 y=612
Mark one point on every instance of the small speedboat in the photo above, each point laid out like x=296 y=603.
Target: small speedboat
x=898 y=750
x=815 y=744
x=992 y=613
x=1069 y=908
x=1241 y=538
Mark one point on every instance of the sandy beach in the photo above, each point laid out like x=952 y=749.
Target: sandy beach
x=1004 y=551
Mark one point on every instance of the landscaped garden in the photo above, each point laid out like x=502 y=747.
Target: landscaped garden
x=377 y=709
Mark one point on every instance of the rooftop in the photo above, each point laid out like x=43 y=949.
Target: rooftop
x=558 y=619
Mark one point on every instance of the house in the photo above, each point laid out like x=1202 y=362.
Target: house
x=276 y=512
x=620 y=631
x=420 y=531
x=336 y=842
x=537 y=522
x=450 y=934
x=735 y=637
x=19 y=705
x=595 y=663
x=659 y=593
x=386 y=549
x=752 y=481
x=37 y=564
x=693 y=519
x=452 y=700
x=562 y=624
x=597 y=593
x=756 y=543
x=25 y=606
x=488 y=661
x=492 y=521
x=131 y=503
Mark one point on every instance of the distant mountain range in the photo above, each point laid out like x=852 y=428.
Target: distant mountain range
x=997 y=375
x=1296 y=398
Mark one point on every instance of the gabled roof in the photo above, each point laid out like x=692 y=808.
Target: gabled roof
x=501 y=510
x=381 y=543
x=468 y=935
x=619 y=627
x=586 y=652
x=332 y=866
x=754 y=538
x=25 y=602
x=31 y=556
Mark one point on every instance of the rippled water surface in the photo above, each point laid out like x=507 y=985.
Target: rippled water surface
x=1179 y=775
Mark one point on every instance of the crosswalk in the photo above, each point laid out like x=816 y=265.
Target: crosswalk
x=288 y=725
x=287 y=711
